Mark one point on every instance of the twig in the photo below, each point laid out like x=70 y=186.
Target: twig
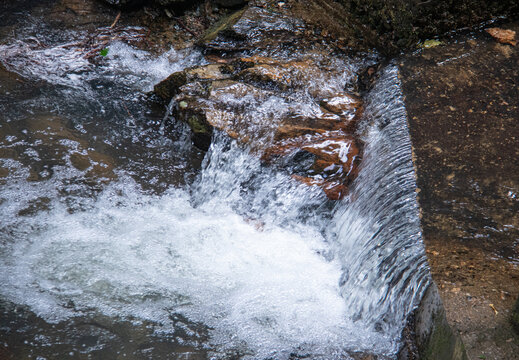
x=116 y=20
x=185 y=27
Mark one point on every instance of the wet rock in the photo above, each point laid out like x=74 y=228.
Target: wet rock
x=230 y=3
x=290 y=111
x=125 y=4
x=219 y=104
x=317 y=146
x=347 y=106
x=283 y=75
x=174 y=2
x=221 y=27
x=170 y=86
x=515 y=317
x=331 y=163
x=251 y=30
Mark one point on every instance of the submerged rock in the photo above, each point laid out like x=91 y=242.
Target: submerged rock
x=253 y=29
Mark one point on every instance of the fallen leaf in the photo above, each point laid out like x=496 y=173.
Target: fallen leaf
x=431 y=43
x=493 y=308
x=503 y=36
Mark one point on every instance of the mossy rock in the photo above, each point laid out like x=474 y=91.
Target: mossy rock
x=201 y=132
x=168 y=87
x=434 y=339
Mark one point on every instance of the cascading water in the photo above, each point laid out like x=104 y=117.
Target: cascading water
x=243 y=261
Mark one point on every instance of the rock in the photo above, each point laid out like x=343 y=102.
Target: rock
x=129 y=4
x=401 y=24
x=515 y=317
x=347 y=106
x=221 y=27
x=125 y=4
x=170 y=86
x=313 y=141
x=332 y=166
x=282 y=75
x=230 y=3
x=503 y=36
x=219 y=104
x=293 y=113
x=174 y=2
x=253 y=29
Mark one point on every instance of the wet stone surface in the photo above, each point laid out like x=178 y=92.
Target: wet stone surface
x=462 y=102
x=294 y=113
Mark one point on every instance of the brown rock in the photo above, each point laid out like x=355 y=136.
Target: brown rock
x=347 y=106
x=281 y=75
x=170 y=86
x=314 y=143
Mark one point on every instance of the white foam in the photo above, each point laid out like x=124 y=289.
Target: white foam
x=150 y=256
x=66 y=66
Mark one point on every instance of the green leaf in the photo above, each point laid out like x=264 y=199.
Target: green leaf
x=103 y=52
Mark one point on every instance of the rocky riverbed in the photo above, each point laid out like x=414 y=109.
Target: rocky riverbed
x=289 y=88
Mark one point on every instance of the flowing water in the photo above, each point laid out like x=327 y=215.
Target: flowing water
x=117 y=241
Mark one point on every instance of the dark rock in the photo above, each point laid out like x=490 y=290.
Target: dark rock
x=130 y=4
x=251 y=30
x=401 y=24
x=170 y=86
x=230 y=3
x=428 y=333
x=515 y=317
x=170 y=3
x=126 y=4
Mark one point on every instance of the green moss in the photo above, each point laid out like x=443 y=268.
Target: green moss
x=443 y=343
x=431 y=43
x=199 y=125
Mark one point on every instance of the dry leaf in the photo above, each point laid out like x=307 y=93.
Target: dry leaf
x=493 y=308
x=503 y=36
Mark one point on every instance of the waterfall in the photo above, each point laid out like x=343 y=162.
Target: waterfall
x=98 y=219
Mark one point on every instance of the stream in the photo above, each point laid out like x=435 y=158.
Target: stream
x=120 y=239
